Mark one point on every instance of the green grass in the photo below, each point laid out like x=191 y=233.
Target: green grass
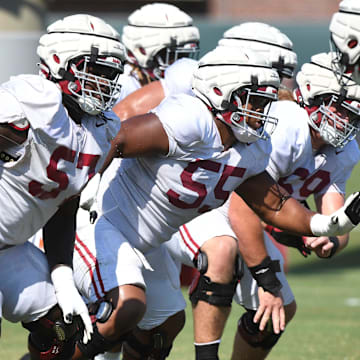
x=326 y=325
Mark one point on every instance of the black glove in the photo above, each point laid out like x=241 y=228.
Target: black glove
x=287 y=239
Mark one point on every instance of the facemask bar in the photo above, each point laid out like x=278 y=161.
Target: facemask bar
x=261 y=98
x=169 y=55
x=341 y=68
x=99 y=83
x=332 y=128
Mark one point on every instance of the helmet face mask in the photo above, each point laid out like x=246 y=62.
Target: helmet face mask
x=168 y=55
x=331 y=99
x=336 y=130
x=96 y=85
x=249 y=118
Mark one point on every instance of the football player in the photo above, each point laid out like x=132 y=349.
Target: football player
x=313 y=154
x=174 y=40
x=277 y=47
x=55 y=132
x=197 y=149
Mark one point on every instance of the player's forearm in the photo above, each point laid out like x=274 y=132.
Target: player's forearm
x=248 y=230
x=59 y=235
x=291 y=217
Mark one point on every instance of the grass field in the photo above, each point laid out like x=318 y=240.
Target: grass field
x=326 y=326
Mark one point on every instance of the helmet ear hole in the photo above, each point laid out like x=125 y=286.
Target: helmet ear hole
x=352 y=43
x=56 y=59
x=217 y=91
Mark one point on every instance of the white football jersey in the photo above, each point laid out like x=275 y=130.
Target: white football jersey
x=178 y=77
x=148 y=198
x=54 y=163
x=294 y=164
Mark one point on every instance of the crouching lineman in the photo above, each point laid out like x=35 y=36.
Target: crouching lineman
x=55 y=132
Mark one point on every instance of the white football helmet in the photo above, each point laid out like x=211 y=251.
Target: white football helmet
x=345 y=37
x=157 y=35
x=266 y=40
x=85 y=57
x=228 y=79
x=320 y=92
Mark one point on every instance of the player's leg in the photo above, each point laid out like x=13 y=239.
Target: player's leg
x=108 y=273
x=249 y=341
x=208 y=242
x=164 y=317
x=211 y=297
x=29 y=297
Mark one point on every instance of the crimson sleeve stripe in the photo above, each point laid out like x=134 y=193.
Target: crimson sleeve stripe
x=90 y=270
x=95 y=262
x=192 y=241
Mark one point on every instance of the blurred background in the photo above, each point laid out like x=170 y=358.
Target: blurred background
x=22 y=22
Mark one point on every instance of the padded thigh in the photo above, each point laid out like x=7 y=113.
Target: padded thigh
x=26 y=287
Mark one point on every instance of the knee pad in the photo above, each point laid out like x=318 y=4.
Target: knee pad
x=155 y=350
x=202 y=288
x=51 y=338
x=250 y=332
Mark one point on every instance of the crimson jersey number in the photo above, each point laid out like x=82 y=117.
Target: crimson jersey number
x=312 y=184
x=60 y=177
x=199 y=188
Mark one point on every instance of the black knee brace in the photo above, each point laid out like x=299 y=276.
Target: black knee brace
x=154 y=351
x=202 y=288
x=213 y=293
x=250 y=332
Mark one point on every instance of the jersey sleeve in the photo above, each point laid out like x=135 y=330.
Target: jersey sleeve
x=34 y=98
x=178 y=77
x=343 y=163
x=11 y=110
x=290 y=139
x=188 y=125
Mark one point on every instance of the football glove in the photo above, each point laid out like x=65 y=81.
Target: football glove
x=69 y=299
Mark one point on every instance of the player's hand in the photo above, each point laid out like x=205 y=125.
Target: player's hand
x=295 y=241
x=88 y=194
x=70 y=300
x=270 y=311
x=341 y=221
